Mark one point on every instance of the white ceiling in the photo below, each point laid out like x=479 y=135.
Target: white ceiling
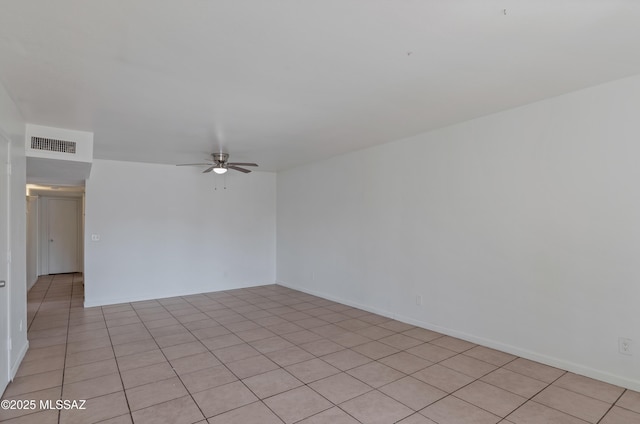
x=285 y=82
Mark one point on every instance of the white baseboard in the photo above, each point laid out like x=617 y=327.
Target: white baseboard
x=90 y=302
x=14 y=368
x=31 y=284
x=576 y=368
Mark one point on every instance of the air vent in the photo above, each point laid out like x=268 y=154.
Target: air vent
x=52 y=145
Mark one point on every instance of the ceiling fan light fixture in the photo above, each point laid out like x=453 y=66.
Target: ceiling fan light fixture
x=220 y=169
x=220 y=164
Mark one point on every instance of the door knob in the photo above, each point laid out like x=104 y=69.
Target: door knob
x=3 y=283
x=51 y=240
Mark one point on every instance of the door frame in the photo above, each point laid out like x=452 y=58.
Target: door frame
x=5 y=249
x=43 y=232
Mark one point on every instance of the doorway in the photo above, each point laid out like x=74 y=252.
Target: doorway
x=60 y=235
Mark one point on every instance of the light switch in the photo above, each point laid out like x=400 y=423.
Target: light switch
x=95 y=237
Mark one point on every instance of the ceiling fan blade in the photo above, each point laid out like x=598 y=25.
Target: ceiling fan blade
x=208 y=169
x=243 y=163
x=193 y=164
x=237 y=168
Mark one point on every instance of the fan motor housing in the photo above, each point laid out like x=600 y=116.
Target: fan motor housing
x=220 y=157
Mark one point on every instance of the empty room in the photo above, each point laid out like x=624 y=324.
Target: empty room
x=319 y=212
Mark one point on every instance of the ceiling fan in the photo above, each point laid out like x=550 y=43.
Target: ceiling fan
x=221 y=164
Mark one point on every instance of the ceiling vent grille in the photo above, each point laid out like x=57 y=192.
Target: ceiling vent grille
x=52 y=145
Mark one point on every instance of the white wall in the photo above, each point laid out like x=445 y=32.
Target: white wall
x=521 y=230
x=13 y=127
x=164 y=231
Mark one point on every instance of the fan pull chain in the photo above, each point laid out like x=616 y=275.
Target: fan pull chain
x=224 y=185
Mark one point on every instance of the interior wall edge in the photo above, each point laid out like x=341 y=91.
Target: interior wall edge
x=154 y=296
x=16 y=364
x=574 y=367
x=338 y=299
x=30 y=284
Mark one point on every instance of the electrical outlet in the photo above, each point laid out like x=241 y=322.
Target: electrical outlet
x=625 y=346
x=419 y=300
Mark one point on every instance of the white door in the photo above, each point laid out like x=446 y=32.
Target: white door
x=4 y=268
x=63 y=235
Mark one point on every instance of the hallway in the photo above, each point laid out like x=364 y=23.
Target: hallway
x=270 y=355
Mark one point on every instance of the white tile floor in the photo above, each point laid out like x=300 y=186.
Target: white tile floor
x=272 y=355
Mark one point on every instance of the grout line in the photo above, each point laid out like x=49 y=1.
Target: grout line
x=612 y=405
x=168 y=361
x=228 y=369
x=303 y=383
x=108 y=335
x=273 y=297
x=66 y=344
x=261 y=400
x=39 y=304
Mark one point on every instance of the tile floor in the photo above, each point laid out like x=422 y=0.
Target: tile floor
x=271 y=355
